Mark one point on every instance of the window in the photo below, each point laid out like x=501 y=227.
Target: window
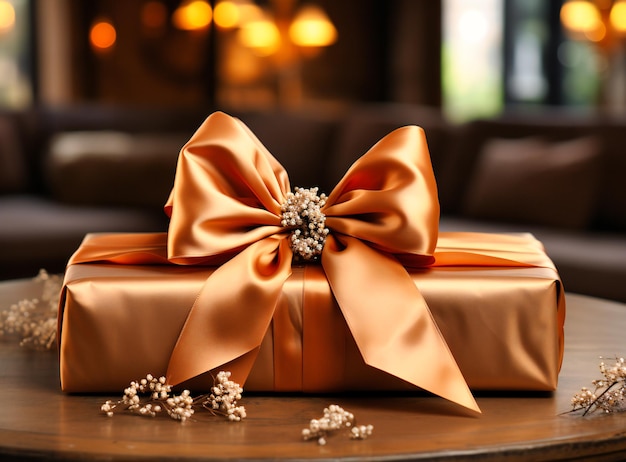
x=16 y=89
x=472 y=65
x=501 y=54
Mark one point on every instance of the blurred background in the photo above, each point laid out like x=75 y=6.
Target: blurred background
x=523 y=103
x=470 y=57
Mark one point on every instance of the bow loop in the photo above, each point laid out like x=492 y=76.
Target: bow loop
x=389 y=196
x=227 y=192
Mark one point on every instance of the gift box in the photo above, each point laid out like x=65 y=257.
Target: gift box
x=307 y=293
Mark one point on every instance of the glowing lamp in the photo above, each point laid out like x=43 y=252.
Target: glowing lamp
x=312 y=28
x=580 y=16
x=261 y=34
x=102 y=35
x=193 y=15
x=7 y=16
x=617 y=17
x=226 y=14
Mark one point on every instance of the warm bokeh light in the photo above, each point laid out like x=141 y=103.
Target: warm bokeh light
x=249 y=11
x=193 y=15
x=226 y=14
x=240 y=67
x=580 y=16
x=312 y=28
x=153 y=14
x=7 y=16
x=261 y=35
x=102 y=35
x=598 y=33
x=618 y=17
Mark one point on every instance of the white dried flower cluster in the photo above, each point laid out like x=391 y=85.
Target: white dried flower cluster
x=609 y=392
x=150 y=396
x=302 y=211
x=158 y=398
x=224 y=396
x=35 y=320
x=334 y=419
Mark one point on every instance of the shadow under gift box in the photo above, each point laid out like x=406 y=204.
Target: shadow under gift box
x=503 y=325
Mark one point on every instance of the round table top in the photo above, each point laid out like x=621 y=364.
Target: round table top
x=39 y=422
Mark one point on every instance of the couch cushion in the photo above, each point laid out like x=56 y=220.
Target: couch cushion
x=536 y=182
x=113 y=168
x=467 y=143
x=13 y=172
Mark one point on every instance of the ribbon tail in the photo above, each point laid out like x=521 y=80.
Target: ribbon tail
x=122 y=248
x=232 y=313
x=390 y=320
x=456 y=259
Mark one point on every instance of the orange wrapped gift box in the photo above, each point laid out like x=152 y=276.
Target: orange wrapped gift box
x=308 y=293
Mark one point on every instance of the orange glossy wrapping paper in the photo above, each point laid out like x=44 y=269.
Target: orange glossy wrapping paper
x=504 y=325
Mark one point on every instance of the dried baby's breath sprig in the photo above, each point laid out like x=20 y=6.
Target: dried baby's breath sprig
x=608 y=393
x=35 y=320
x=334 y=419
x=302 y=212
x=151 y=396
x=224 y=397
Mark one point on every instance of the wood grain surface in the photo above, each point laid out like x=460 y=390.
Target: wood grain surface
x=39 y=422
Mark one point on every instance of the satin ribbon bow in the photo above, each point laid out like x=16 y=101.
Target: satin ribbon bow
x=225 y=208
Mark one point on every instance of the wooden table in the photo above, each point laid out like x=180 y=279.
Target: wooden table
x=38 y=422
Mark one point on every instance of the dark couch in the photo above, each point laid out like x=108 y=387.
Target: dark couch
x=68 y=171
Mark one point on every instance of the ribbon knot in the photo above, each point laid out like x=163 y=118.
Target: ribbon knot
x=302 y=212
x=231 y=206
